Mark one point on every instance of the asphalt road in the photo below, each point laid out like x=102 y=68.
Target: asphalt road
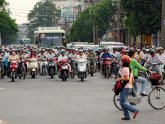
x=51 y=101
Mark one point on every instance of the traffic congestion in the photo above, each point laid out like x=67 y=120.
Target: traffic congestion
x=128 y=65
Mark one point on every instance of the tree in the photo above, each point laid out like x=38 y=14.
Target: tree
x=143 y=16
x=43 y=14
x=8 y=27
x=102 y=14
x=81 y=29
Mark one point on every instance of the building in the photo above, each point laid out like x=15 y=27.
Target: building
x=23 y=31
x=60 y=4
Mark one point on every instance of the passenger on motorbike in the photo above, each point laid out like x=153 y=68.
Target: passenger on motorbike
x=135 y=67
x=91 y=56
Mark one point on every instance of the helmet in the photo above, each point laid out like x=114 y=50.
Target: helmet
x=126 y=59
x=152 y=51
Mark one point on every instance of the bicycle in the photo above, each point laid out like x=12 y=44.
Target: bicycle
x=155 y=93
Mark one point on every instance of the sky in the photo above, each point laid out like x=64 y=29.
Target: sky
x=20 y=8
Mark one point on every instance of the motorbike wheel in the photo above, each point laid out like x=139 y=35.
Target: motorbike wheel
x=23 y=73
x=20 y=76
x=52 y=73
x=33 y=74
x=12 y=76
x=44 y=72
x=64 y=75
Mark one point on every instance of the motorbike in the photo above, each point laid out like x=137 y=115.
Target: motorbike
x=33 y=67
x=82 y=69
x=73 y=64
x=13 y=70
x=155 y=75
x=2 y=68
x=92 y=64
x=107 y=67
x=64 y=70
x=43 y=67
x=51 y=68
x=21 y=70
x=115 y=67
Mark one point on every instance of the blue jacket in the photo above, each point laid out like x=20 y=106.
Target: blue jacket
x=106 y=55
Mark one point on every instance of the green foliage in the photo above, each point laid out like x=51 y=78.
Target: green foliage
x=8 y=27
x=102 y=14
x=82 y=28
x=43 y=14
x=143 y=16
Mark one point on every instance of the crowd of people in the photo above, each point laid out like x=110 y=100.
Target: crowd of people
x=132 y=61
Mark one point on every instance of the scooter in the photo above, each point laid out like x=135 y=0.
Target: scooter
x=51 y=68
x=33 y=67
x=92 y=64
x=21 y=70
x=73 y=64
x=82 y=69
x=43 y=63
x=13 y=70
x=107 y=67
x=64 y=70
x=155 y=76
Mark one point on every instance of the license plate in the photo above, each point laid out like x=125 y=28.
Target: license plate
x=64 y=67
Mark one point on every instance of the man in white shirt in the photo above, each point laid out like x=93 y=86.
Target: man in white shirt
x=50 y=55
x=62 y=56
x=81 y=55
x=161 y=55
x=115 y=53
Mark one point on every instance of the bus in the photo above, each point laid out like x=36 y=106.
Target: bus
x=49 y=36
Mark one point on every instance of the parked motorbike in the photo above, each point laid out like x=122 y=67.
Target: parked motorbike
x=33 y=67
x=107 y=67
x=43 y=63
x=51 y=68
x=64 y=70
x=13 y=70
x=82 y=69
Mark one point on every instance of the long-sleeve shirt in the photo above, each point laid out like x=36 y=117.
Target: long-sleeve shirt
x=135 y=67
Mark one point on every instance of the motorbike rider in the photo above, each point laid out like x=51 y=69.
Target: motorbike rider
x=50 y=54
x=104 y=56
x=135 y=67
x=139 y=55
x=81 y=55
x=63 y=57
x=13 y=58
x=154 y=58
x=91 y=56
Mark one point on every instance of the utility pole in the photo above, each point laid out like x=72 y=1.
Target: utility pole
x=94 y=29
x=117 y=3
x=163 y=25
